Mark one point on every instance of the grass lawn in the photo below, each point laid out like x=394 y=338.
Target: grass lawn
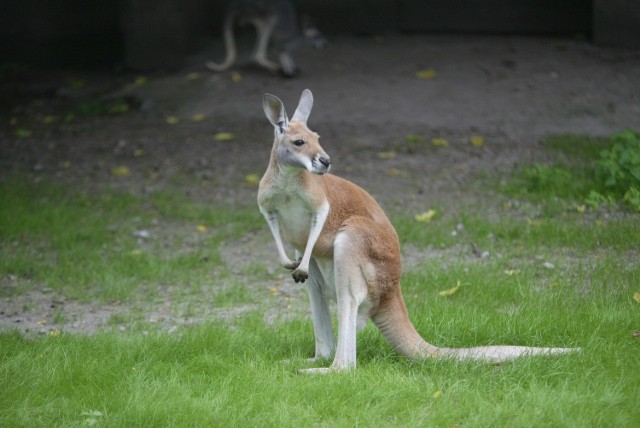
x=545 y=268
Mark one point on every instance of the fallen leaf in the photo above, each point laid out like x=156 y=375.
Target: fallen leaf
x=436 y=394
x=426 y=74
x=581 y=209
x=13 y=121
x=636 y=297
x=137 y=153
x=476 y=140
x=54 y=333
x=236 y=77
x=635 y=333
x=66 y=164
x=439 y=142
x=387 y=155
x=120 y=171
x=77 y=83
x=223 y=136
x=141 y=80
x=193 y=76
x=426 y=216
x=395 y=172
x=450 y=291
x=252 y=179
x=411 y=138
x=202 y=228
x=198 y=117
x=119 y=107
x=172 y=120
x=49 y=119
x=511 y=272
x=23 y=133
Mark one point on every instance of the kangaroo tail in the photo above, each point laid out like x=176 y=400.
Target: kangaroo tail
x=230 y=47
x=394 y=324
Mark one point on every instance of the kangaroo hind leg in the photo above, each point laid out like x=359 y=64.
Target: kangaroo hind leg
x=352 y=272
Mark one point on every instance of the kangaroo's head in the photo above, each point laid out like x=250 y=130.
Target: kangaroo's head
x=295 y=145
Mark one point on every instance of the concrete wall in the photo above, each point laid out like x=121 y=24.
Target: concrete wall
x=617 y=23
x=75 y=32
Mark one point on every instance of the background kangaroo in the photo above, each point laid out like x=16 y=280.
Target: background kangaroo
x=349 y=250
x=272 y=19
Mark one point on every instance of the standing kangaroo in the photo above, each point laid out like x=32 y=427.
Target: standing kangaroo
x=272 y=19
x=350 y=251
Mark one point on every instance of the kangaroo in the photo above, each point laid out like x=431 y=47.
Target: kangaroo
x=350 y=252
x=272 y=19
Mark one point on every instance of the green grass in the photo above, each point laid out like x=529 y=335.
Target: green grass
x=554 y=276
x=85 y=245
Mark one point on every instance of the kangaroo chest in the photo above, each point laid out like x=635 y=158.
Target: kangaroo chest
x=295 y=216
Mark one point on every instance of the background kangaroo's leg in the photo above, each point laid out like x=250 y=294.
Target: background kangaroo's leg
x=264 y=30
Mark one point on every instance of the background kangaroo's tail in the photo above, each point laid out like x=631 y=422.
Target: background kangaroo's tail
x=229 y=45
x=393 y=321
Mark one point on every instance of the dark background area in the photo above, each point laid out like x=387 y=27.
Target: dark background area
x=143 y=34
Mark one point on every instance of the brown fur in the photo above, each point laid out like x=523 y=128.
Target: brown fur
x=293 y=196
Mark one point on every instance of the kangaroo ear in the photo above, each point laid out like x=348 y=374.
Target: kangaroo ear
x=304 y=107
x=274 y=110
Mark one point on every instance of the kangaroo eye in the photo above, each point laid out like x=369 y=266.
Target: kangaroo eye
x=298 y=143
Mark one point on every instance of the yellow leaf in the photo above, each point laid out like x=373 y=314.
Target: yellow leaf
x=198 y=117
x=54 y=333
x=120 y=171
x=511 y=272
x=387 y=155
x=636 y=297
x=581 y=209
x=49 y=119
x=193 y=76
x=137 y=153
x=450 y=291
x=476 y=140
x=436 y=394
x=172 y=120
x=77 y=83
x=202 y=228
x=426 y=74
x=223 y=136
x=252 y=179
x=439 y=142
x=66 y=164
x=426 y=216
x=236 y=77
x=141 y=81
x=395 y=172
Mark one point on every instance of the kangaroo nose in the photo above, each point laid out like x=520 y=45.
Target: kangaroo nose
x=324 y=161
